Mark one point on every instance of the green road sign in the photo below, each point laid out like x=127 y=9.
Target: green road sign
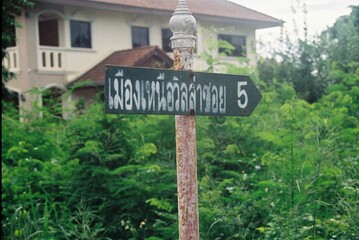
x=134 y=90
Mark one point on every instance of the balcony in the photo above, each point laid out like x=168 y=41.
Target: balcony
x=51 y=59
x=11 y=61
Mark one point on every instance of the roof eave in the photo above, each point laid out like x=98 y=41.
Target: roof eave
x=259 y=24
x=155 y=52
x=109 y=6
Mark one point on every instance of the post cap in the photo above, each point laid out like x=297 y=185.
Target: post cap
x=183 y=25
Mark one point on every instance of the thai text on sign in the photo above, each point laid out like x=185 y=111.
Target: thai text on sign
x=157 y=91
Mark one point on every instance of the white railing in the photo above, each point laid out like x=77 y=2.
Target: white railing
x=51 y=59
x=11 y=61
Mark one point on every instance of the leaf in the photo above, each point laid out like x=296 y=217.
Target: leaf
x=124 y=169
x=161 y=204
x=232 y=149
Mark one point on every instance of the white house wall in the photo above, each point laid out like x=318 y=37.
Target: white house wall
x=111 y=31
x=208 y=32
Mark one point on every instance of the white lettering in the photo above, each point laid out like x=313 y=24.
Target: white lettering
x=207 y=97
x=170 y=97
x=161 y=96
x=128 y=94
x=151 y=91
x=222 y=99
x=176 y=95
x=184 y=97
x=143 y=96
x=192 y=97
x=137 y=97
x=110 y=98
x=199 y=87
x=241 y=92
x=118 y=100
x=214 y=99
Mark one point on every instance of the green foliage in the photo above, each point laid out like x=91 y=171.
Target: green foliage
x=220 y=63
x=289 y=171
x=312 y=66
x=10 y=9
x=83 y=227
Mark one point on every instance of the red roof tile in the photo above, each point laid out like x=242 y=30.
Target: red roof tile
x=141 y=56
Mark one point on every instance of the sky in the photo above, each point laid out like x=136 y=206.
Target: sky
x=321 y=14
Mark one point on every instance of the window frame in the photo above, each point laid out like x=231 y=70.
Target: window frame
x=166 y=47
x=147 y=38
x=240 y=50
x=82 y=45
x=54 y=39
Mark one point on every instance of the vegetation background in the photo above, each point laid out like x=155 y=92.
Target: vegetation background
x=290 y=171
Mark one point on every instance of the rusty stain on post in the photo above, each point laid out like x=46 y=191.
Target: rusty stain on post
x=183 y=25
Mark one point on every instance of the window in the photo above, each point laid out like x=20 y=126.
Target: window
x=80 y=34
x=140 y=37
x=13 y=99
x=238 y=42
x=49 y=32
x=166 y=40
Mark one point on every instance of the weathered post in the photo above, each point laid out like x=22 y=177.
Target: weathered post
x=183 y=25
x=127 y=90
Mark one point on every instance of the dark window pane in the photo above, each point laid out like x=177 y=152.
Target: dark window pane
x=80 y=34
x=139 y=37
x=12 y=98
x=238 y=42
x=166 y=40
x=49 y=33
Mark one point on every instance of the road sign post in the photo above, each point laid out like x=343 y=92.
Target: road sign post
x=183 y=93
x=183 y=25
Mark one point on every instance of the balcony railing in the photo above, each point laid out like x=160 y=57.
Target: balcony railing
x=11 y=61
x=51 y=59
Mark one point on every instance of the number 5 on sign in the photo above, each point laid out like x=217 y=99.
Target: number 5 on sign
x=241 y=92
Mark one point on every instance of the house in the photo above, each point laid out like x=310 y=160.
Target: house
x=62 y=41
x=144 y=56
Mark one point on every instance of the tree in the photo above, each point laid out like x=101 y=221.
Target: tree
x=10 y=8
x=311 y=66
x=343 y=49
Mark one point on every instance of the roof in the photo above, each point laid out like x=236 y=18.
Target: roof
x=215 y=9
x=141 y=56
